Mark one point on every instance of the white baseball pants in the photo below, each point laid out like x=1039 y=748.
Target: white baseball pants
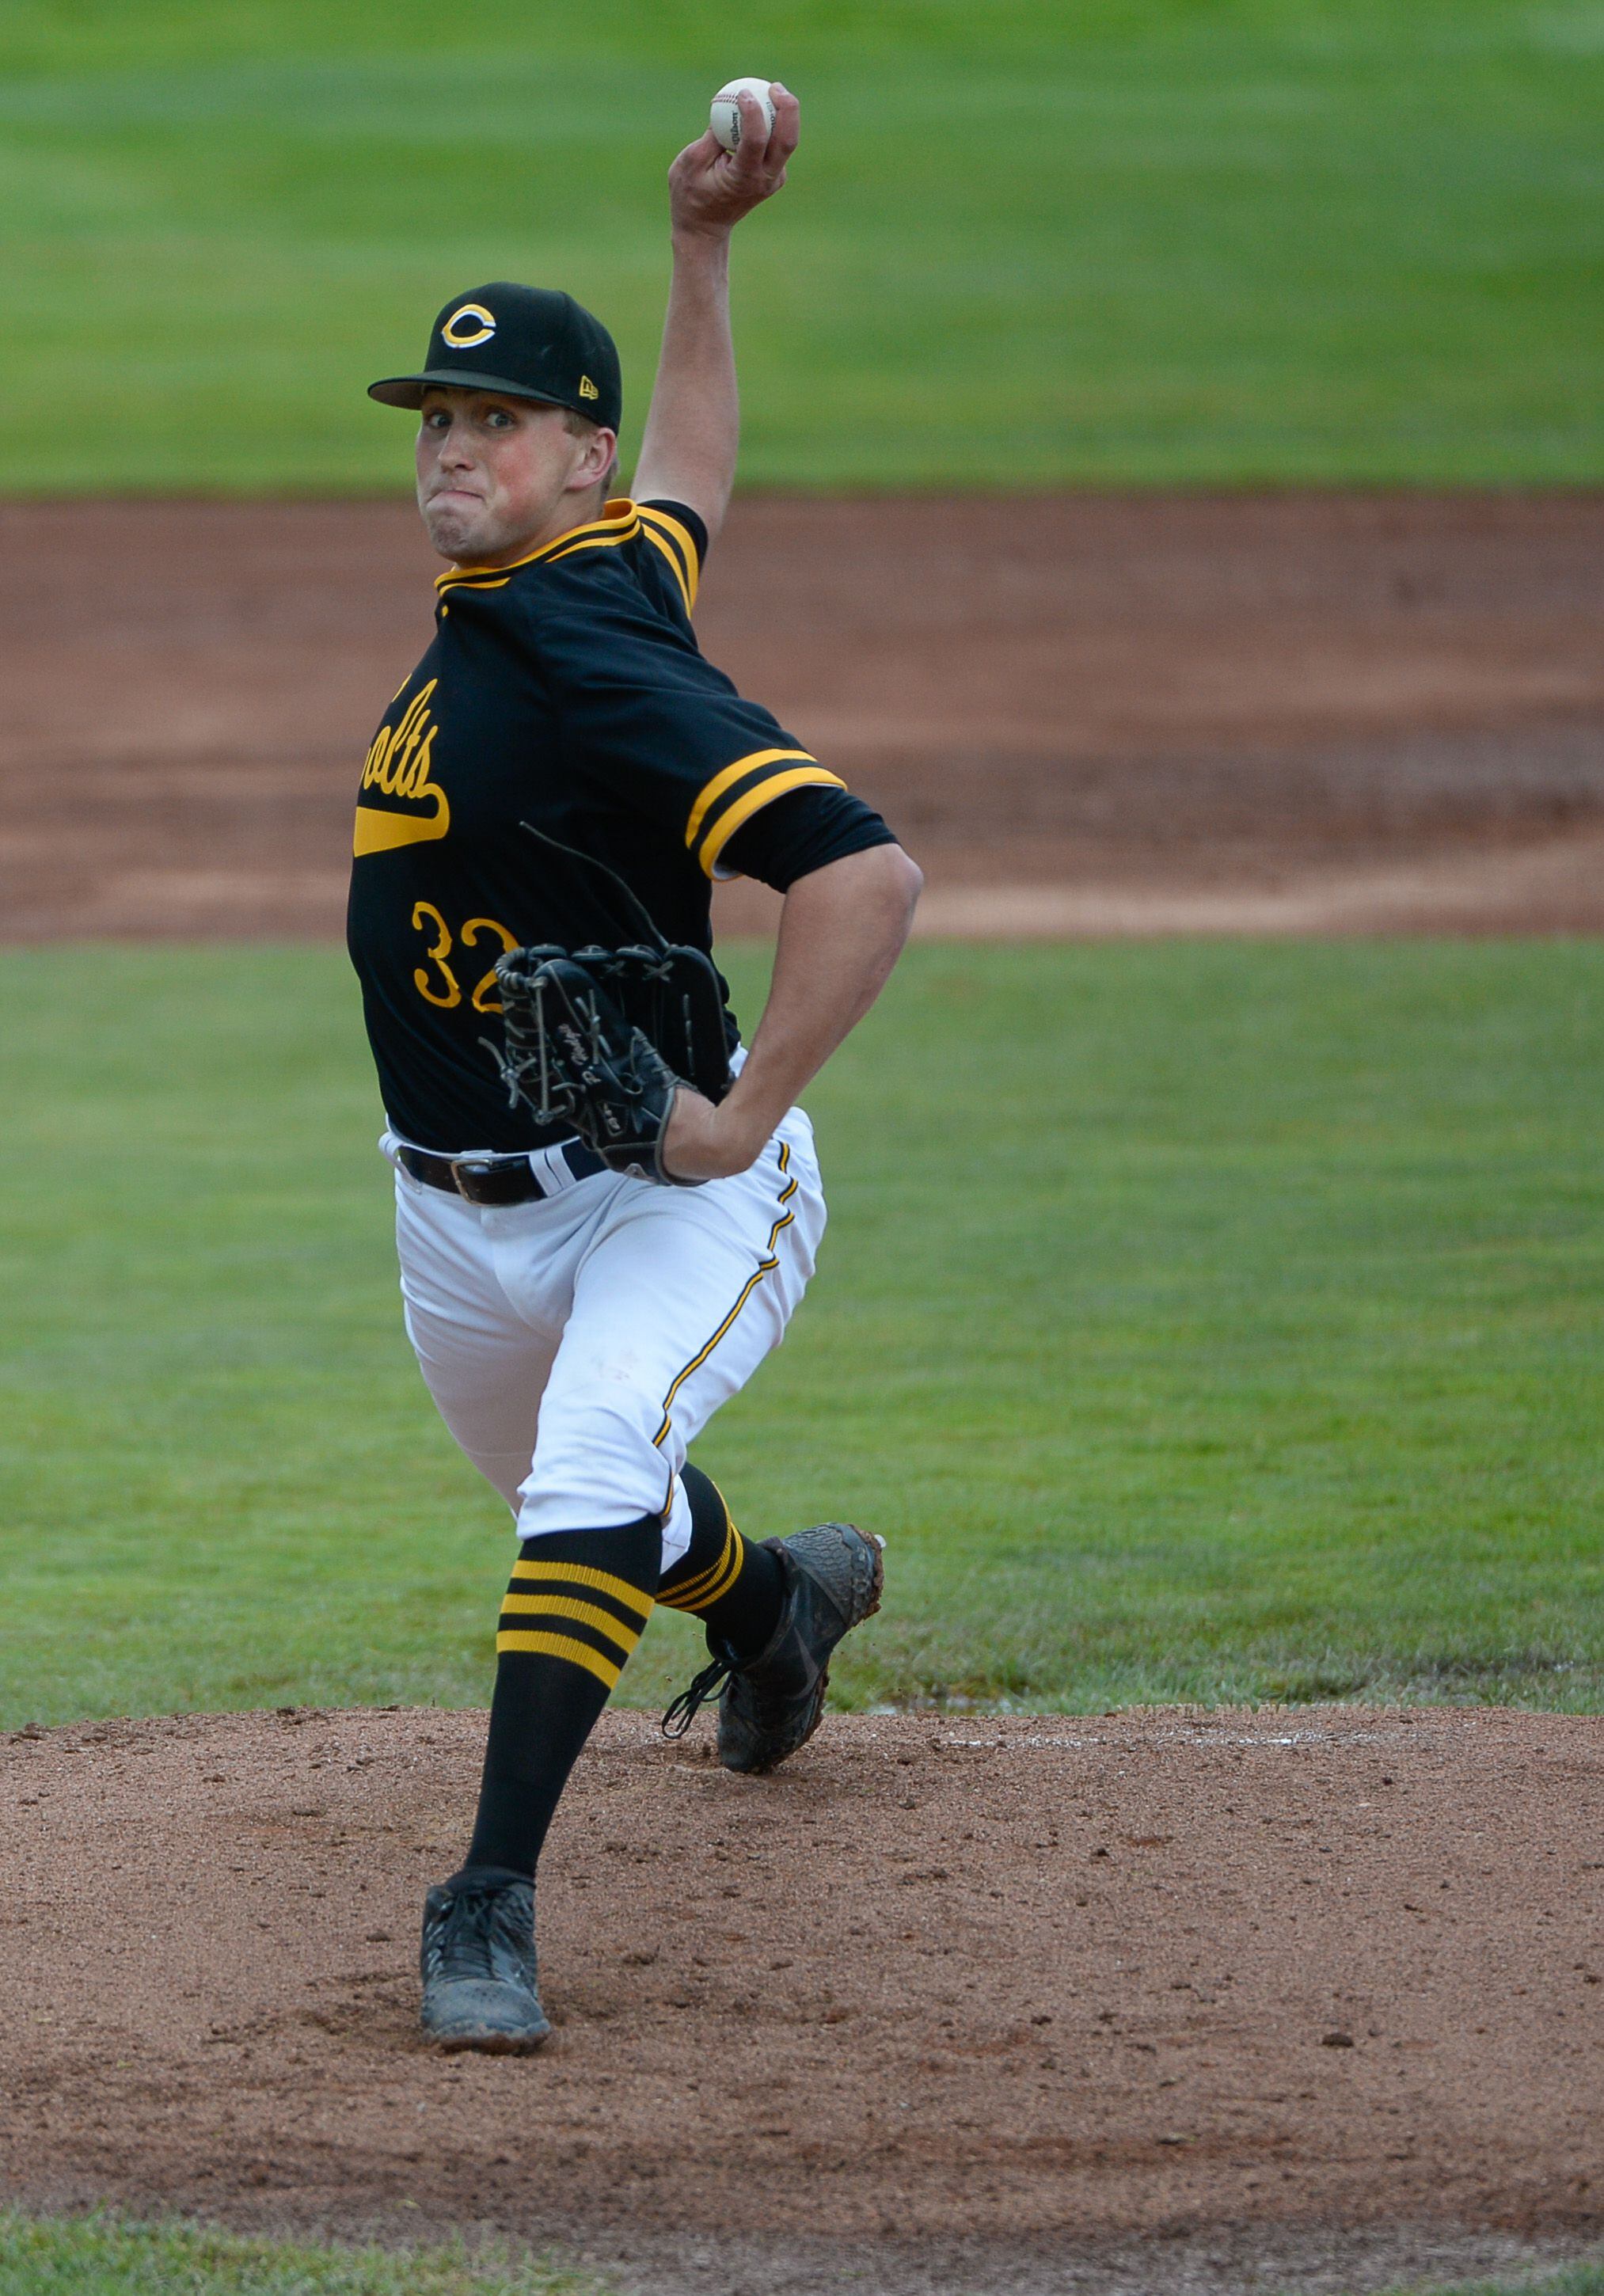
x=576 y=1345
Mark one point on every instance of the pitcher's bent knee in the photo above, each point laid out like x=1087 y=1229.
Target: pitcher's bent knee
x=599 y=1466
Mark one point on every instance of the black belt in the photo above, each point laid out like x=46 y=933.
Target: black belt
x=493 y=1179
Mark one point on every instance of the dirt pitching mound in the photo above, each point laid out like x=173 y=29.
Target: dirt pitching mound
x=973 y=1982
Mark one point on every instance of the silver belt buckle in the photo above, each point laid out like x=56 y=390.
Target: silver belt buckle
x=465 y=1169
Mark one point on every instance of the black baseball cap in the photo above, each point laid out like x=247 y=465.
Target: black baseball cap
x=530 y=342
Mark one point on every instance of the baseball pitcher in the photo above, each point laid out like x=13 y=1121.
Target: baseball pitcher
x=607 y=1203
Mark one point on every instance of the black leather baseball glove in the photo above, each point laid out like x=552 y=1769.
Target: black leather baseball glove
x=603 y=1038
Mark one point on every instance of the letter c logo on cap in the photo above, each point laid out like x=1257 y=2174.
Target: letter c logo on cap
x=472 y=324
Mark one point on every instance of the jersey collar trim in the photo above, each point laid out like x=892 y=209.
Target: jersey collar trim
x=619 y=522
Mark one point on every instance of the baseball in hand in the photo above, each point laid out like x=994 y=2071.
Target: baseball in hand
x=726 y=119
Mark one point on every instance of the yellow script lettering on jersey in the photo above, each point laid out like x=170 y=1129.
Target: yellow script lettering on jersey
x=398 y=766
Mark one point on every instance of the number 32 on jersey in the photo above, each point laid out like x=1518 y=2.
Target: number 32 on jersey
x=435 y=981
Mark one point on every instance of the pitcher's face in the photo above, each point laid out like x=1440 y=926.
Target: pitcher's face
x=498 y=476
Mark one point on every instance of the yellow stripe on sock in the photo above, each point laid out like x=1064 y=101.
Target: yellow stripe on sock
x=703 y=1578
x=569 y=1606
x=729 y=1570
x=685 y=1597
x=580 y=1574
x=561 y=1646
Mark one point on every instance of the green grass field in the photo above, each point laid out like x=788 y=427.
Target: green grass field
x=1027 y=243
x=105 y=2256
x=1203 y=1322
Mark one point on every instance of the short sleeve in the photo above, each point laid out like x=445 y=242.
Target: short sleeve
x=642 y=714
x=802 y=831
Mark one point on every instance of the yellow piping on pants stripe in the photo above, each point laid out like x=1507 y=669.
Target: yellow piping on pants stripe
x=767 y=1266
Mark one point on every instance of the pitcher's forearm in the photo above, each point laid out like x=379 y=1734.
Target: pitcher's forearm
x=692 y=434
x=841 y=932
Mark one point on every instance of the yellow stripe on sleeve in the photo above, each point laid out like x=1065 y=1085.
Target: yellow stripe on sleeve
x=580 y=1574
x=561 y=1646
x=675 y=568
x=728 y=775
x=683 y=536
x=569 y=1606
x=774 y=785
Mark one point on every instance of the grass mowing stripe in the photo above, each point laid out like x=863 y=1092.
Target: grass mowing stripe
x=1148 y=243
x=107 y=2255
x=1197 y=1321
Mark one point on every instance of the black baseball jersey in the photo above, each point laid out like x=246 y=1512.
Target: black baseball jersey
x=566 y=691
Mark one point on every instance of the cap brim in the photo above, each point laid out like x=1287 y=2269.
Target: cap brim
x=408 y=390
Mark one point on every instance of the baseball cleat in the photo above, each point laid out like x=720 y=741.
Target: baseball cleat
x=480 y=1983
x=772 y=1703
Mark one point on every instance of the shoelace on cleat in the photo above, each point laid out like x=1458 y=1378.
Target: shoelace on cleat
x=690 y=1702
x=475 y=1922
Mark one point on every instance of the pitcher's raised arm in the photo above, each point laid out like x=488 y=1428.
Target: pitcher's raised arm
x=693 y=427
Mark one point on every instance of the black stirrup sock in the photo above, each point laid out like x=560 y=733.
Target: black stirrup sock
x=734 y=1588
x=574 y=1611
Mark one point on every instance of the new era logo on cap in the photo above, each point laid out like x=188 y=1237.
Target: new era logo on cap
x=587 y=388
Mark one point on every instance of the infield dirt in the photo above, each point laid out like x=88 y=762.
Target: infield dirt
x=980 y=1991
x=1086 y=715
